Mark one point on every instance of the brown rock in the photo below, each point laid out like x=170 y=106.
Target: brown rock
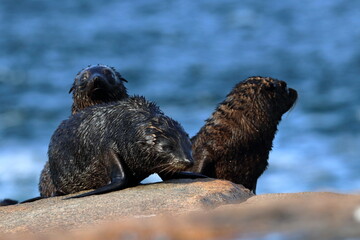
x=175 y=197
x=186 y=209
x=277 y=216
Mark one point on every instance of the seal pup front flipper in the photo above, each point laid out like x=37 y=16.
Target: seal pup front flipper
x=206 y=167
x=119 y=178
x=254 y=188
x=179 y=175
x=204 y=164
x=32 y=199
x=116 y=184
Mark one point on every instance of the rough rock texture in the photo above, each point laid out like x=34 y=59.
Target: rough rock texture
x=175 y=197
x=184 y=209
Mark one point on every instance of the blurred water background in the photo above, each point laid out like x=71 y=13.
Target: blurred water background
x=186 y=56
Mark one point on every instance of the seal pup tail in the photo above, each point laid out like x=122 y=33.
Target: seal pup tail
x=7 y=202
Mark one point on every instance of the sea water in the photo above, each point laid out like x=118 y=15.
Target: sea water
x=186 y=56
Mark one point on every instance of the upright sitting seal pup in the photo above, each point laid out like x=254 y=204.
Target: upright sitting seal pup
x=96 y=84
x=113 y=146
x=235 y=141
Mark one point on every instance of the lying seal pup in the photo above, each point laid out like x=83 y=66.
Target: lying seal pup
x=114 y=146
x=235 y=142
x=95 y=84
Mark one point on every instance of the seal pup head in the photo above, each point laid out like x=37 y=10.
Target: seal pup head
x=169 y=144
x=274 y=93
x=97 y=84
x=261 y=101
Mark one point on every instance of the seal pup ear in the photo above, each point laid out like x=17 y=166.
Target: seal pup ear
x=76 y=77
x=118 y=75
x=123 y=79
x=71 y=89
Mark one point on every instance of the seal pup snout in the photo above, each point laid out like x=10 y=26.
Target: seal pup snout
x=182 y=163
x=171 y=144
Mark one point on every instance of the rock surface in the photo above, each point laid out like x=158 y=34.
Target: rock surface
x=175 y=197
x=187 y=209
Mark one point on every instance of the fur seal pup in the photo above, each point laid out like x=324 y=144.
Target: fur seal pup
x=95 y=84
x=235 y=141
x=114 y=146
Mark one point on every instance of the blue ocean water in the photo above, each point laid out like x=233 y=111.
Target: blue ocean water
x=186 y=56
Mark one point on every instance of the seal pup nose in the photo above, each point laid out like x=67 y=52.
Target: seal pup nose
x=189 y=162
x=97 y=78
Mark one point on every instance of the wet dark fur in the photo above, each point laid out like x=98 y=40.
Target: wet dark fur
x=96 y=84
x=133 y=133
x=235 y=142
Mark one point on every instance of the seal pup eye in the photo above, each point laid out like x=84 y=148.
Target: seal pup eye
x=168 y=148
x=283 y=84
x=271 y=86
x=84 y=77
x=109 y=75
x=107 y=71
